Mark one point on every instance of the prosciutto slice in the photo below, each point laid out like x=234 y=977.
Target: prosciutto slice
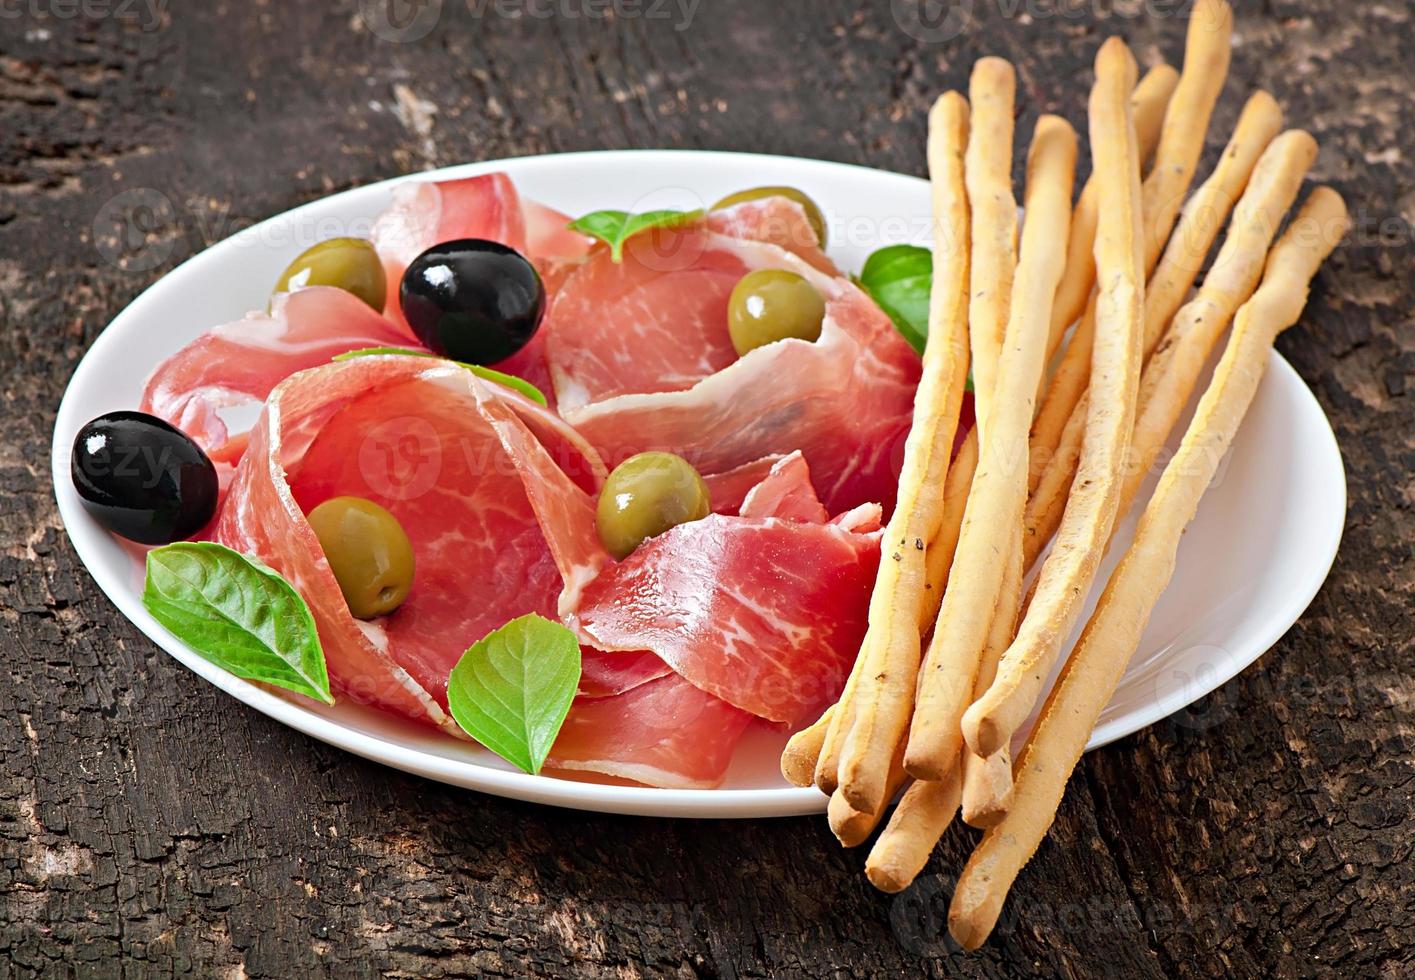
x=498 y=529
x=657 y=319
x=776 y=220
x=425 y=212
x=766 y=613
x=604 y=674
x=665 y=728
x=786 y=492
x=241 y=363
x=665 y=733
x=845 y=400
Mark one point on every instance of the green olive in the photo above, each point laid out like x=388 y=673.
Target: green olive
x=646 y=495
x=349 y=263
x=770 y=305
x=813 y=211
x=368 y=552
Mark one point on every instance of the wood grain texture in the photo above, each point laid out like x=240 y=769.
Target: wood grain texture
x=152 y=826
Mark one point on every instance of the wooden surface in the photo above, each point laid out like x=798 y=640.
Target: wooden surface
x=148 y=817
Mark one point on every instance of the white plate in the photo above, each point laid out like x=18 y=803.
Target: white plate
x=1263 y=542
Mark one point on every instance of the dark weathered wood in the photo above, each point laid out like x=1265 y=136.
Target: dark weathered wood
x=145 y=816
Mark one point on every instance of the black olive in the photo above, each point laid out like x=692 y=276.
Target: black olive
x=142 y=478
x=473 y=300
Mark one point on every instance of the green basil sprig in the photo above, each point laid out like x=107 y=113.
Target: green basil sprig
x=898 y=279
x=238 y=614
x=512 y=689
x=617 y=227
x=486 y=373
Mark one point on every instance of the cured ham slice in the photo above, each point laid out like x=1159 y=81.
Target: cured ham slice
x=766 y=613
x=549 y=239
x=786 y=492
x=845 y=400
x=657 y=319
x=664 y=733
x=241 y=363
x=425 y=212
x=604 y=674
x=727 y=490
x=498 y=529
x=666 y=730
x=776 y=220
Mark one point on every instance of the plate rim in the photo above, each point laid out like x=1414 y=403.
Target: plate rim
x=549 y=789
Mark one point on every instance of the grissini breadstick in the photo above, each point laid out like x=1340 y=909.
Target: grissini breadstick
x=1174 y=371
x=1110 y=638
x=987 y=782
x=902 y=850
x=1150 y=99
x=987 y=171
x=798 y=760
x=850 y=826
x=1206 y=56
x=1199 y=225
x=939 y=557
x=879 y=693
x=1068 y=572
x=999 y=491
x=1207 y=50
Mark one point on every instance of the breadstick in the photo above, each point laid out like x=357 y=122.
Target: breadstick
x=850 y=826
x=1206 y=56
x=1067 y=574
x=999 y=491
x=987 y=782
x=1199 y=225
x=1110 y=638
x=1149 y=101
x=864 y=734
x=987 y=170
x=798 y=760
x=939 y=557
x=923 y=814
x=1174 y=371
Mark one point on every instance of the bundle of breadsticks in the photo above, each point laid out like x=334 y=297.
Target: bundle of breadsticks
x=1085 y=345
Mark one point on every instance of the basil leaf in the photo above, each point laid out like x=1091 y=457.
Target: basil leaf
x=496 y=377
x=512 y=689
x=238 y=614
x=898 y=279
x=617 y=227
